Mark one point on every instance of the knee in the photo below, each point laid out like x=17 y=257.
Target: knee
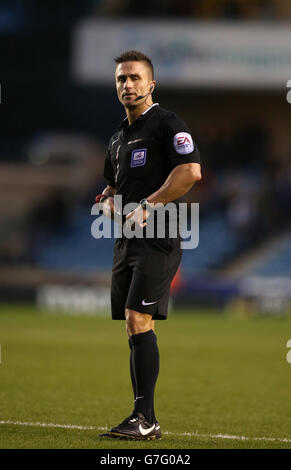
x=137 y=322
x=134 y=322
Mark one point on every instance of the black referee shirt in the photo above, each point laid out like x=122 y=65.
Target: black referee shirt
x=141 y=156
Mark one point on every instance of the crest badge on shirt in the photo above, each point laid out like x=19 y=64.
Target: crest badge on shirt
x=183 y=143
x=138 y=157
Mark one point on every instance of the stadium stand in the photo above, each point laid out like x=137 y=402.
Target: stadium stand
x=50 y=170
x=277 y=263
x=75 y=249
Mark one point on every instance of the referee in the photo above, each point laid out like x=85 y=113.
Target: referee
x=150 y=159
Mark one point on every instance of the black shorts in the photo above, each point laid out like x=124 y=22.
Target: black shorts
x=141 y=276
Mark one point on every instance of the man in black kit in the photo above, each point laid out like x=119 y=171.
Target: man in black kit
x=150 y=159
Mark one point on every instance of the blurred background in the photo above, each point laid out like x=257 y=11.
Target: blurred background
x=222 y=66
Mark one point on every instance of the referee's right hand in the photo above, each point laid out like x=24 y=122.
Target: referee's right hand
x=107 y=204
x=138 y=216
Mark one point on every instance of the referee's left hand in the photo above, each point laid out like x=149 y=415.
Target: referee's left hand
x=138 y=216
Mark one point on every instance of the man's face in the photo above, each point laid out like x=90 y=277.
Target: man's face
x=132 y=79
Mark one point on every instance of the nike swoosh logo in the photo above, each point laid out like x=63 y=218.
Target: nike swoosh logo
x=138 y=398
x=148 y=303
x=145 y=432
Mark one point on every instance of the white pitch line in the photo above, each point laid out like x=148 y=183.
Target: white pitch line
x=186 y=434
x=50 y=425
x=229 y=436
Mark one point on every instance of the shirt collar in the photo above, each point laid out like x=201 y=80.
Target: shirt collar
x=155 y=104
x=143 y=115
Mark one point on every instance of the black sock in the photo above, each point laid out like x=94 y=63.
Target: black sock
x=133 y=377
x=145 y=370
x=131 y=370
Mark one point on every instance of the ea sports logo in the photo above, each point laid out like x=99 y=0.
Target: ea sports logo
x=183 y=143
x=183 y=140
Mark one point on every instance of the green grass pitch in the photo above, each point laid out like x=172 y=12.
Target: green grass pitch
x=224 y=381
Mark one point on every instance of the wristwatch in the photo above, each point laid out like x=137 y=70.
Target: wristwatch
x=144 y=202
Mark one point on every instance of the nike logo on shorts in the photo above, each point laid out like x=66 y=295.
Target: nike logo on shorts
x=148 y=303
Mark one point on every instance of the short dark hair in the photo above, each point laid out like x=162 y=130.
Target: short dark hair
x=138 y=56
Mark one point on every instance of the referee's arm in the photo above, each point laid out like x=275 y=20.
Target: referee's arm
x=178 y=183
x=109 y=191
x=184 y=158
x=108 y=204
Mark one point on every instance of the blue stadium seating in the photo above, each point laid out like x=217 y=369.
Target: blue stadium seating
x=76 y=249
x=277 y=264
x=216 y=244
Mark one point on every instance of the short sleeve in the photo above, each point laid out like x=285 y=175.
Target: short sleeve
x=178 y=142
x=108 y=170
